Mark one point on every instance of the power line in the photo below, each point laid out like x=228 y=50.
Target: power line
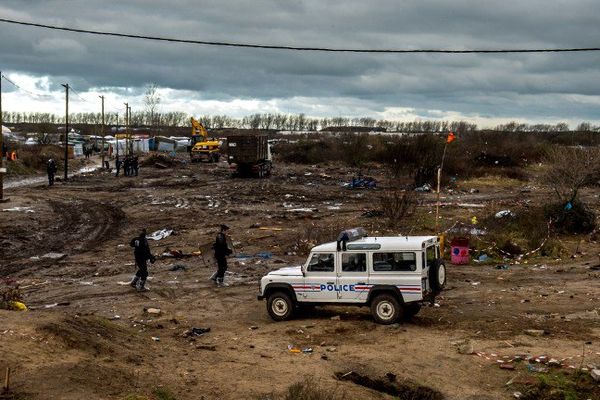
x=22 y=89
x=77 y=94
x=302 y=48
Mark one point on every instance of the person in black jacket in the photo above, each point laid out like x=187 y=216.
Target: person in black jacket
x=51 y=169
x=141 y=252
x=222 y=250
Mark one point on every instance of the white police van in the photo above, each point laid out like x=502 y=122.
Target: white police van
x=391 y=275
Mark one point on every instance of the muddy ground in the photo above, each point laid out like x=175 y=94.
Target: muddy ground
x=88 y=336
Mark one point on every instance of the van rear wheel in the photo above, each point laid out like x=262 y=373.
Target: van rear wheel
x=386 y=309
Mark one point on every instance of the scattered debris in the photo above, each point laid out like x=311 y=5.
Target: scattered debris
x=65 y=303
x=373 y=213
x=535 y=332
x=595 y=373
x=156 y=338
x=504 y=213
x=503 y=266
x=425 y=188
x=464 y=346
x=335 y=318
x=160 y=234
x=54 y=256
x=153 y=311
x=303 y=210
x=293 y=349
x=192 y=332
x=19 y=209
x=178 y=267
x=361 y=183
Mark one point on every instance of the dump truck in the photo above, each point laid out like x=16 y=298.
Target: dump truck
x=249 y=155
x=202 y=148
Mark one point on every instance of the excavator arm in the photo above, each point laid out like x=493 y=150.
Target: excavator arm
x=198 y=129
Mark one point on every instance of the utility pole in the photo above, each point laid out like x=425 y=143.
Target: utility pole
x=66 y=86
x=117 y=138
x=2 y=155
x=129 y=133
x=126 y=128
x=103 y=132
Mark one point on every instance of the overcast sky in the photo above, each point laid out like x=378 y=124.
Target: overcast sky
x=204 y=80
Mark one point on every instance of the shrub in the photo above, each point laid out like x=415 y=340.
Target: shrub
x=574 y=217
x=396 y=205
x=9 y=292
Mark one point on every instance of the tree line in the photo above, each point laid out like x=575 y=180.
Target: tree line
x=277 y=121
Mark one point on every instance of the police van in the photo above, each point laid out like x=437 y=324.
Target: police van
x=392 y=275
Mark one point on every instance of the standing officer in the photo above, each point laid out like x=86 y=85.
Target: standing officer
x=141 y=253
x=117 y=165
x=51 y=168
x=222 y=250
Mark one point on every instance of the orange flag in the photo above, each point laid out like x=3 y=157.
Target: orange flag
x=451 y=137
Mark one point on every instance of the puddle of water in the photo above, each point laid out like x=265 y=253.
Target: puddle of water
x=41 y=179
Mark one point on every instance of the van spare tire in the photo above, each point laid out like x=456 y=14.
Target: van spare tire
x=437 y=276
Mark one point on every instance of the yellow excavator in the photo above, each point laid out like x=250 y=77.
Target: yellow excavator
x=203 y=148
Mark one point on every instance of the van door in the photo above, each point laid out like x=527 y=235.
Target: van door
x=353 y=278
x=319 y=279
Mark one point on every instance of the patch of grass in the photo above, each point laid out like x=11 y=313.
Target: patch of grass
x=163 y=394
x=307 y=390
x=494 y=181
x=563 y=386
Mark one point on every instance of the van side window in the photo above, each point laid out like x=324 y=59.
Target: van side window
x=321 y=263
x=354 y=262
x=431 y=256
x=400 y=261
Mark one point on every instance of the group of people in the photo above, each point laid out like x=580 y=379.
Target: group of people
x=142 y=254
x=130 y=165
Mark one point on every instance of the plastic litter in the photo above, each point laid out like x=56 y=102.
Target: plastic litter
x=425 y=188
x=17 y=306
x=196 y=332
x=504 y=213
x=293 y=349
x=160 y=234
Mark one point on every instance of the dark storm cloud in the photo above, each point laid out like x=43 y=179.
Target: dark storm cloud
x=520 y=86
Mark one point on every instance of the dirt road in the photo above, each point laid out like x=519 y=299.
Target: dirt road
x=87 y=334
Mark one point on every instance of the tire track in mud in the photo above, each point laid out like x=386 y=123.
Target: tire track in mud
x=75 y=226
x=84 y=224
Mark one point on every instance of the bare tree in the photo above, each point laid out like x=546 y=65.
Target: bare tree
x=152 y=100
x=570 y=169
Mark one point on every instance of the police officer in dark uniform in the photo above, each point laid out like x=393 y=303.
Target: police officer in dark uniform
x=51 y=168
x=141 y=252
x=136 y=165
x=222 y=250
x=117 y=165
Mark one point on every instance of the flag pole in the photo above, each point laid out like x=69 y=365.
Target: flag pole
x=439 y=179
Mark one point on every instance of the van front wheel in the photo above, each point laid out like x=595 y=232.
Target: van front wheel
x=280 y=306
